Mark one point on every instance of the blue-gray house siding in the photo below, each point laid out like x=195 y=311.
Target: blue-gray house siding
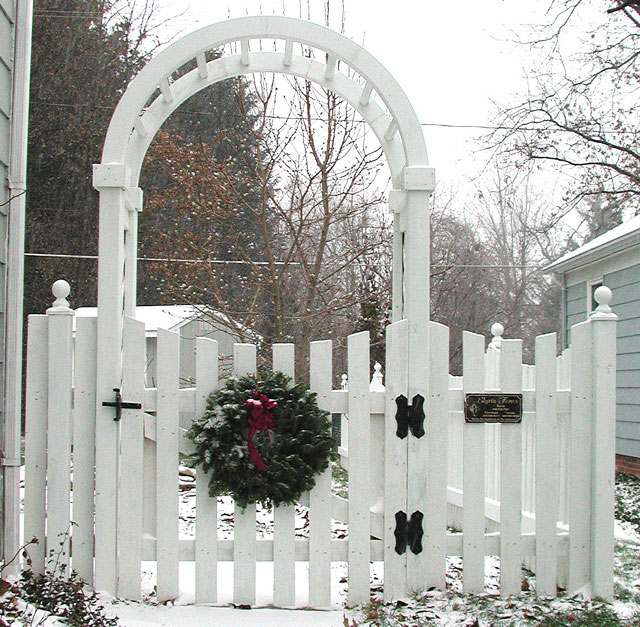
x=575 y=307
x=625 y=285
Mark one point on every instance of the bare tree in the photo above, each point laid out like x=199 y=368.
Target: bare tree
x=579 y=115
x=309 y=200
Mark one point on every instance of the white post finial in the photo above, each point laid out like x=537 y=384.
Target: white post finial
x=603 y=296
x=496 y=330
x=344 y=382
x=60 y=289
x=376 y=384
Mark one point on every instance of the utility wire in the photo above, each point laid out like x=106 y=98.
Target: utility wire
x=238 y=262
x=485 y=127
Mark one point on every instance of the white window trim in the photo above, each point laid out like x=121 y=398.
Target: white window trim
x=598 y=281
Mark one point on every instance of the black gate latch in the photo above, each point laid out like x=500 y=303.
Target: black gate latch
x=410 y=416
x=119 y=404
x=409 y=532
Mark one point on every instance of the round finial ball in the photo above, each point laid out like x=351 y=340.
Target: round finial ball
x=603 y=295
x=61 y=289
x=497 y=329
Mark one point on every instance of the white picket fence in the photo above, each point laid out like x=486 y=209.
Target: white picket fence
x=538 y=493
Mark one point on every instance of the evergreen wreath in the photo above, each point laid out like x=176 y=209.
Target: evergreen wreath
x=262 y=439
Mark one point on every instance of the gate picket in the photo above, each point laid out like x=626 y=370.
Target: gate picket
x=510 y=475
x=473 y=362
x=320 y=376
x=131 y=443
x=546 y=466
x=167 y=465
x=359 y=468
x=395 y=459
x=436 y=431
x=84 y=434
x=244 y=531
x=284 y=516
x=206 y=506
x=35 y=440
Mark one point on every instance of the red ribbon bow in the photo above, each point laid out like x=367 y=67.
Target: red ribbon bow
x=261 y=418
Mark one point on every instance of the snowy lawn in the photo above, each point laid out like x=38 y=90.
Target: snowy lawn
x=433 y=608
x=454 y=608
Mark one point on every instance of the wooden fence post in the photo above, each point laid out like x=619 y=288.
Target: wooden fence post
x=603 y=415
x=59 y=406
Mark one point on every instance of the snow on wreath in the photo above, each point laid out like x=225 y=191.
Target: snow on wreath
x=262 y=439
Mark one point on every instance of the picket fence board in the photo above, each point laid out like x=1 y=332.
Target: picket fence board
x=320 y=379
x=167 y=460
x=359 y=467
x=546 y=465
x=284 y=516
x=244 y=532
x=473 y=367
x=435 y=519
x=131 y=455
x=564 y=451
x=35 y=444
x=580 y=502
x=59 y=409
x=492 y=432
x=510 y=475
x=395 y=459
x=206 y=542
x=528 y=461
x=84 y=433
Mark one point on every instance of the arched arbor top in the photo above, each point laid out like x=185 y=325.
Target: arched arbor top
x=349 y=70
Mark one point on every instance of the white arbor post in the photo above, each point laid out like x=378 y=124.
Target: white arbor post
x=419 y=183
x=111 y=181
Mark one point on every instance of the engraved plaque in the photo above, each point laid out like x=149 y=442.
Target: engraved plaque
x=497 y=408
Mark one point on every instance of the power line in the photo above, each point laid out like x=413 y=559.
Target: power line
x=239 y=262
x=230 y=262
x=484 y=127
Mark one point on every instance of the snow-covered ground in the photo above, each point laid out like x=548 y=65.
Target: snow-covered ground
x=433 y=608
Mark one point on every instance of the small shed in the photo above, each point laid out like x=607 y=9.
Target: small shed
x=191 y=322
x=612 y=259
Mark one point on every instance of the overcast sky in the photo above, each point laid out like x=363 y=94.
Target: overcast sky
x=452 y=59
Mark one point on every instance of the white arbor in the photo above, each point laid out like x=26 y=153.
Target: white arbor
x=349 y=71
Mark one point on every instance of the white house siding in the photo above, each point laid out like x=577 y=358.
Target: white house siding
x=7 y=14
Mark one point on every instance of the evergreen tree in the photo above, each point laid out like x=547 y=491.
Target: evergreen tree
x=84 y=54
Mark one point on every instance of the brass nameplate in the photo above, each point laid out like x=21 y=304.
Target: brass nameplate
x=500 y=408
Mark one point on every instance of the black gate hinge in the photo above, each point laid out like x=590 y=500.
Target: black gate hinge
x=410 y=416
x=119 y=404
x=409 y=532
